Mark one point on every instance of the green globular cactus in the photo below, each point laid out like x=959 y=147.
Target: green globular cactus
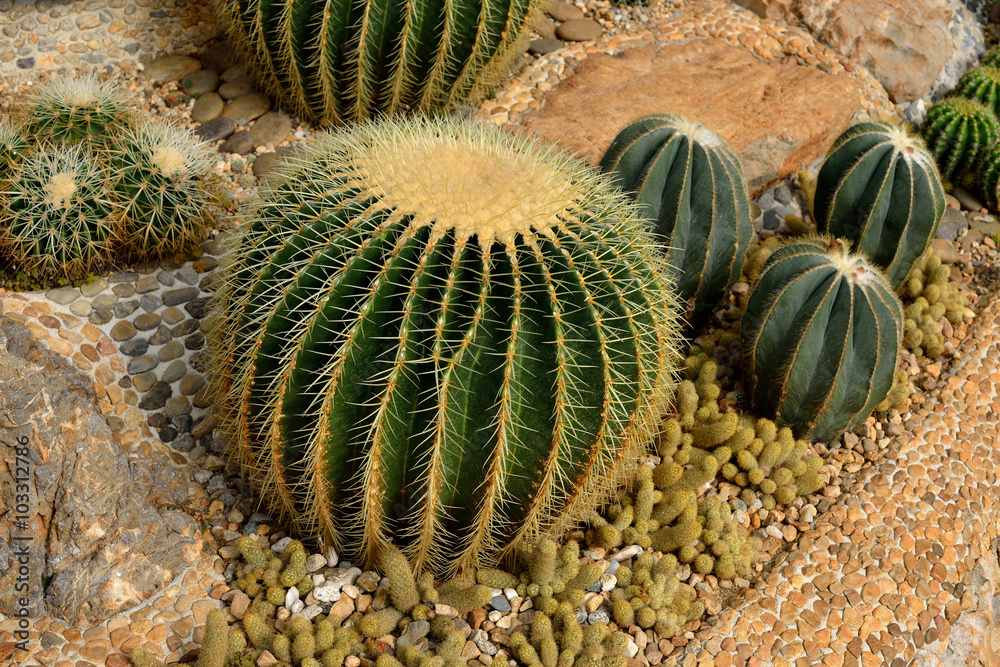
x=13 y=146
x=71 y=110
x=215 y=644
x=981 y=84
x=140 y=657
x=257 y=631
x=252 y=553
x=690 y=184
x=495 y=578
x=57 y=218
x=378 y=623
x=344 y=62
x=158 y=187
x=384 y=322
x=821 y=336
x=879 y=188
x=958 y=132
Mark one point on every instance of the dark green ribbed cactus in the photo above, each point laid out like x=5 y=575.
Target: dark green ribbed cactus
x=347 y=61
x=958 y=132
x=879 y=188
x=989 y=177
x=56 y=216
x=691 y=185
x=69 y=110
x=981 y=84
x=821 y=335
x=440 y=336
x=158 y=170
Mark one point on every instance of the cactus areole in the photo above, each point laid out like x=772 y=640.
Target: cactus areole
x=338 y=62
x=821 y=336
x=441 y=337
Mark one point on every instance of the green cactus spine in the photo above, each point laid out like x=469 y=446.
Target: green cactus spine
x=58 y=218
x=346 y=61
x=879 y=188
x=821 y=336
x=981 y=84
x=958 y=132
x=688 y=181
x=489 y=311
x=13 y=146
x=158 y=170
x=70 y=110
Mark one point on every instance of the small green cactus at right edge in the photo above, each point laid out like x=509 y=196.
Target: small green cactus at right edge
x=71 y=110
x=57 y=213
x=981 y=84
x=13 y=146
x=958 y=133
x=159 y=187
x=821 y=336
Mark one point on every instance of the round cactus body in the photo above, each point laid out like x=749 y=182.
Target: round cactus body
x=821 y=335
x=690 y=184
x=989 y=178
x=58 y=220
x=442 y=337
x=958 y=132
x=13 y=146
x=982 y=84
x=158 y=170
x=347 y=61
x=879 y=188
x=68 y=110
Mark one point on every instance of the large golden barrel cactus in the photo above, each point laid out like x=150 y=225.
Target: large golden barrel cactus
x=443 y=337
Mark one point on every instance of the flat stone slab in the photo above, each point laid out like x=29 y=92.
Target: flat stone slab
x=777 y=116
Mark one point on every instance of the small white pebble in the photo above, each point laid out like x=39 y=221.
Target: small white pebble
x=315 y=562
x=631 y=650
x=774 y=531
x=279 y=546
x=297 y=606
x=627 y=552
x=608 y=581
x=494 y=616
x=331 y=557
x=291 y=597
x=807 y=514
x=351 y=591
x=510 y=593
x=318 y=580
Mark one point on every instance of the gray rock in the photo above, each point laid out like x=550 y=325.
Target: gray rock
x=237 y=71
x=195 y=341
x=175 y=371
x=953 y=225
x=207 y=107
x=122 y=331
x=100 y=317
x=136 y=347
x=186 y=327
x=215 y=129
x=183 y=443
x=177 y=406
x=265 y=164
x=176 y=297
x=561 y=10
x=167 y=433
x=165 y=278
x=104 y=302
x=968 y=200
x=183 y=422
x=190 y=384
x=987 y=224
x=156 y=397
x=124 y=290
x=93 y=288
x=240 y=143
x=150 y=302
x=579 y=30
x=197 y=307
x=81 y=308
x=200 y=82
x=63 y=295
x=142 y=364
x=170 y=351
x=172 y=315
x=125 y=308
x=540 y=47
x=270 y=129
x=170 y=68
x=194 y=455
x=146 y=321
x=247 y=108
x=783 y=194
x=147 y=284
x=187 y=275
x=599 y=616
x=123 y=277
x=500 y=603
x=89 y=499
x=218 y=57
x=236 y=88
x=772 y=220
x=162 y=336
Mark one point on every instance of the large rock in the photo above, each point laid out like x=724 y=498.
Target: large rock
x=777 y=116
x=97 y=543
x=904 y=43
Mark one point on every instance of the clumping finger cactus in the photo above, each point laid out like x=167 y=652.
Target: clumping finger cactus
x=58 y=219
x=439 y=336
x=338 y=62
x=821 y=336
x=691 y=185
x=958 y=132
x=158 y=170
x=69 y=110
x=879 y=188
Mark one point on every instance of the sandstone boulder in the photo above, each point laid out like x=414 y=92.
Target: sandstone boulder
x=777 y=116
x=91 y=543
x=904 y=43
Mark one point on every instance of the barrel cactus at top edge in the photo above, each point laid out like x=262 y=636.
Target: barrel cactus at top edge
x=70 y=110
x=347 y=61
x=691 y=185
x=958 y=131
x=821 y=336
x=441 y=336
x=879 y=188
